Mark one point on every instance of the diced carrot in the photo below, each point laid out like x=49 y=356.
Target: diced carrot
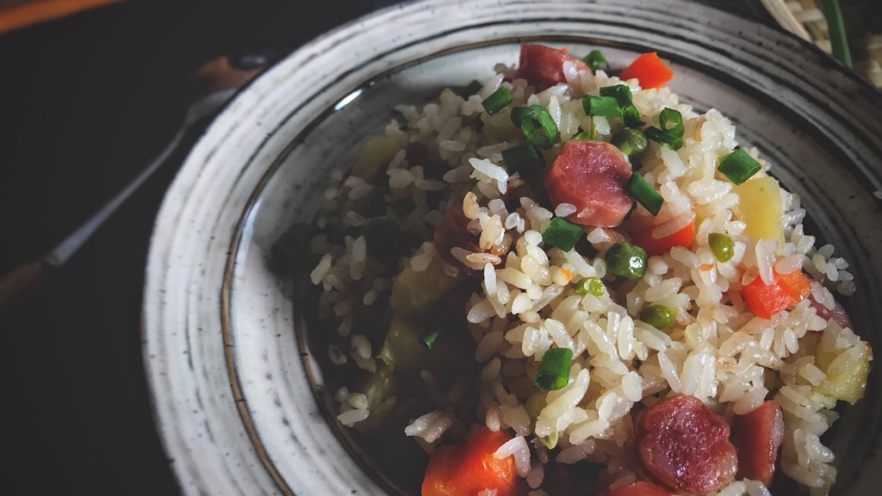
x=796 y=284
x=464 y=470
x=650 y=70
x=766 y=300
x=659 y=246
x=640 y=488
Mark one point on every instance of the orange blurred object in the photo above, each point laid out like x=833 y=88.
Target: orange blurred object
x=19 y=14
x=766 y=300
x=466 y=469
x=649 y=69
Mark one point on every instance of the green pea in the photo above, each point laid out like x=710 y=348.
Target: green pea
x=591 y=285
x=658 y=316
x=631 y=142
x=722 y=246
x=626 y=260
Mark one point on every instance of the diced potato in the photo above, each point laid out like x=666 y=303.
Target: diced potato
x=846 y=368
x=404 y=352
x=760 y=208
x=379 y=387
x=498 y=127
x=377 y=152
x=413 y=293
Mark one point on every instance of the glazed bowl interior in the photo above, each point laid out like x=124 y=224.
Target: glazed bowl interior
x=294 y=189
x=267 y=161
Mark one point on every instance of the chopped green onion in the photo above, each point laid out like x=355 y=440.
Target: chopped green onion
x=738 y=166
x=536 y=124
x=428 y=339
x=644 y=193
x=671 y=131
x=595 y=60
x=554 y=369
x=671 y=121
x=836 y=28
x=658 y=316
x=523 y=158
x=469 y=89
x=622 y=94
x=589 y=285
x=497 y=101
x=601 y=106
x=562 y=234
x=657 y=135
x=631 y=142
x=632 y=116
x=626 y=260
x=722 y=246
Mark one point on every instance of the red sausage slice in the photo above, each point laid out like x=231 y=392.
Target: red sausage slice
x=838 y=314
x=543 y=66
x=757 y=437
x=640 y=488
x=685 y=446
x=591 y=175
x=453 y=231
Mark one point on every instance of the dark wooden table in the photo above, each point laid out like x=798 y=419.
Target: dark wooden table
x=85 y=102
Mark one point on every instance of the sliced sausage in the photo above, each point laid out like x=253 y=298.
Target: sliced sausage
x=685 y=446
x=543 y=66
x=591 y=175
x=757 y=436
x=640 y=488
x=838 y=314
x=453 y=231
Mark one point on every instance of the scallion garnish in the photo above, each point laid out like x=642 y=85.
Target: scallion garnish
x=738 y=166
x=428 y=339
x=536 y=124
x=644 y=193
x=631 y=142
x=622 y=94
x=554 y=369
x=671 y=121
x=836 y=28
x=595 y=60
x=497 y=100
x=469 y=89
x=562 y=234
x=523 y=158
x=671 y=131
x=601 y=106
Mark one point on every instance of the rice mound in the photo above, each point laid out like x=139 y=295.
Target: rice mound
x=717 y=350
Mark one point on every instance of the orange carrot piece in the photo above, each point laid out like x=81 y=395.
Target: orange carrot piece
x=649 y=69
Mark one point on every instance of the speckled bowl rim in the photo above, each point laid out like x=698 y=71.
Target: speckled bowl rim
x=237 y=395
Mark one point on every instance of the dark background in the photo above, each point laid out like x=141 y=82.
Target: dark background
x=85 y=102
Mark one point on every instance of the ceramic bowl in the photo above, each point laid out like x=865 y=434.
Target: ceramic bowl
x=242 y=400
